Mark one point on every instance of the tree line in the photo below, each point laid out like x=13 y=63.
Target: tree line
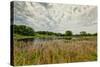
x=28 y=31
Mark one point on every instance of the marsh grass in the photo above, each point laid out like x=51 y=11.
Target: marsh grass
x=55 y=51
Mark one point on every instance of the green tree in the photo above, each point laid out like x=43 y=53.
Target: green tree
x=95 y=34
x=23 y=30
x=89 y=34
x=68 y=33
x=83 y=33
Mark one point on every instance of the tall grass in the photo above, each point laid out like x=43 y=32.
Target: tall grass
x=55 y=51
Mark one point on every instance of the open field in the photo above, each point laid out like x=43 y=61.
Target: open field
x=55 y=51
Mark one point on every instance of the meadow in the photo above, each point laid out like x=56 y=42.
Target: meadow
x=55 y=51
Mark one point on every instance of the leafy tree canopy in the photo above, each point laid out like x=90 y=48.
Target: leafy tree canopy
x=23 y=30
x=68 y=33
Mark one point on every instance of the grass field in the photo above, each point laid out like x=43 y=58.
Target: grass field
x=55 y=51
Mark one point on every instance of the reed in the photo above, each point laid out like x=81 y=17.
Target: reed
x=55 y=51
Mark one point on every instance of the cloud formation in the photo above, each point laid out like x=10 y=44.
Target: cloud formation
x=56 y=17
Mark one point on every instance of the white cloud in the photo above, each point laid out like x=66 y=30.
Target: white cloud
x=56 y=17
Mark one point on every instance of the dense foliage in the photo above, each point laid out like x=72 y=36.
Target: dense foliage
x=69 y=33
x=23 y=30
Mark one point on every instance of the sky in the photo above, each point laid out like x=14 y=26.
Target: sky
x=56 y=17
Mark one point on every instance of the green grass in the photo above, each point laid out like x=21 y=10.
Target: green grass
x=55 y=51
x=17 y=36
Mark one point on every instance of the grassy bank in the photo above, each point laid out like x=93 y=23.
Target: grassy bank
x=17 y=36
